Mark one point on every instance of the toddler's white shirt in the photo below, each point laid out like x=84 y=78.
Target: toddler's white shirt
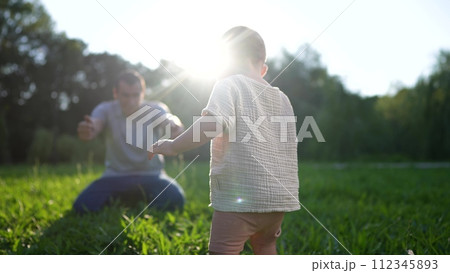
x=254 y=162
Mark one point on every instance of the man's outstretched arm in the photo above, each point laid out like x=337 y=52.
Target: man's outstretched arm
x=89 y=128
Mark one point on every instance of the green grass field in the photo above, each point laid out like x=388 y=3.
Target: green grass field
x=370 y=210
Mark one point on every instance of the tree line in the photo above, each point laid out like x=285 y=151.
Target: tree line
x=49 y=81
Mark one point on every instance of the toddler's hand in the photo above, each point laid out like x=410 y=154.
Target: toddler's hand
x=163 y=147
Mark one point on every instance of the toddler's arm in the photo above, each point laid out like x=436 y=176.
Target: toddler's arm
x=185 y=141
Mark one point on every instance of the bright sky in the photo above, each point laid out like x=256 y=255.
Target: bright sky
x=372 y=46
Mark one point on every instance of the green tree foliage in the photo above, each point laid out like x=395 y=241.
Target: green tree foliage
x=47 y=80
x=411 y=125
x=23 y=28
x=418 y=118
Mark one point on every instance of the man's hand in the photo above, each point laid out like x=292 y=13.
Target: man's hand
x=163 y=147
x=86 y=129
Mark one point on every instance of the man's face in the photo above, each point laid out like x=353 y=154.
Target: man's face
x=129 y=97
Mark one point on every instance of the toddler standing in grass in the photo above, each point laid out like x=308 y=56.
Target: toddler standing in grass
x=253 y=173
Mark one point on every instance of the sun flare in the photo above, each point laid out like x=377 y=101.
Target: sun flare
x=200 y=57
x=186 y=35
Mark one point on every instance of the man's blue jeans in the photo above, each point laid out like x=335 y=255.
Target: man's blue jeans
x=129 y=190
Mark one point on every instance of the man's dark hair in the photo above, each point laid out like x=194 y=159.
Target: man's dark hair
x=242 y=43
x=130 y=77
